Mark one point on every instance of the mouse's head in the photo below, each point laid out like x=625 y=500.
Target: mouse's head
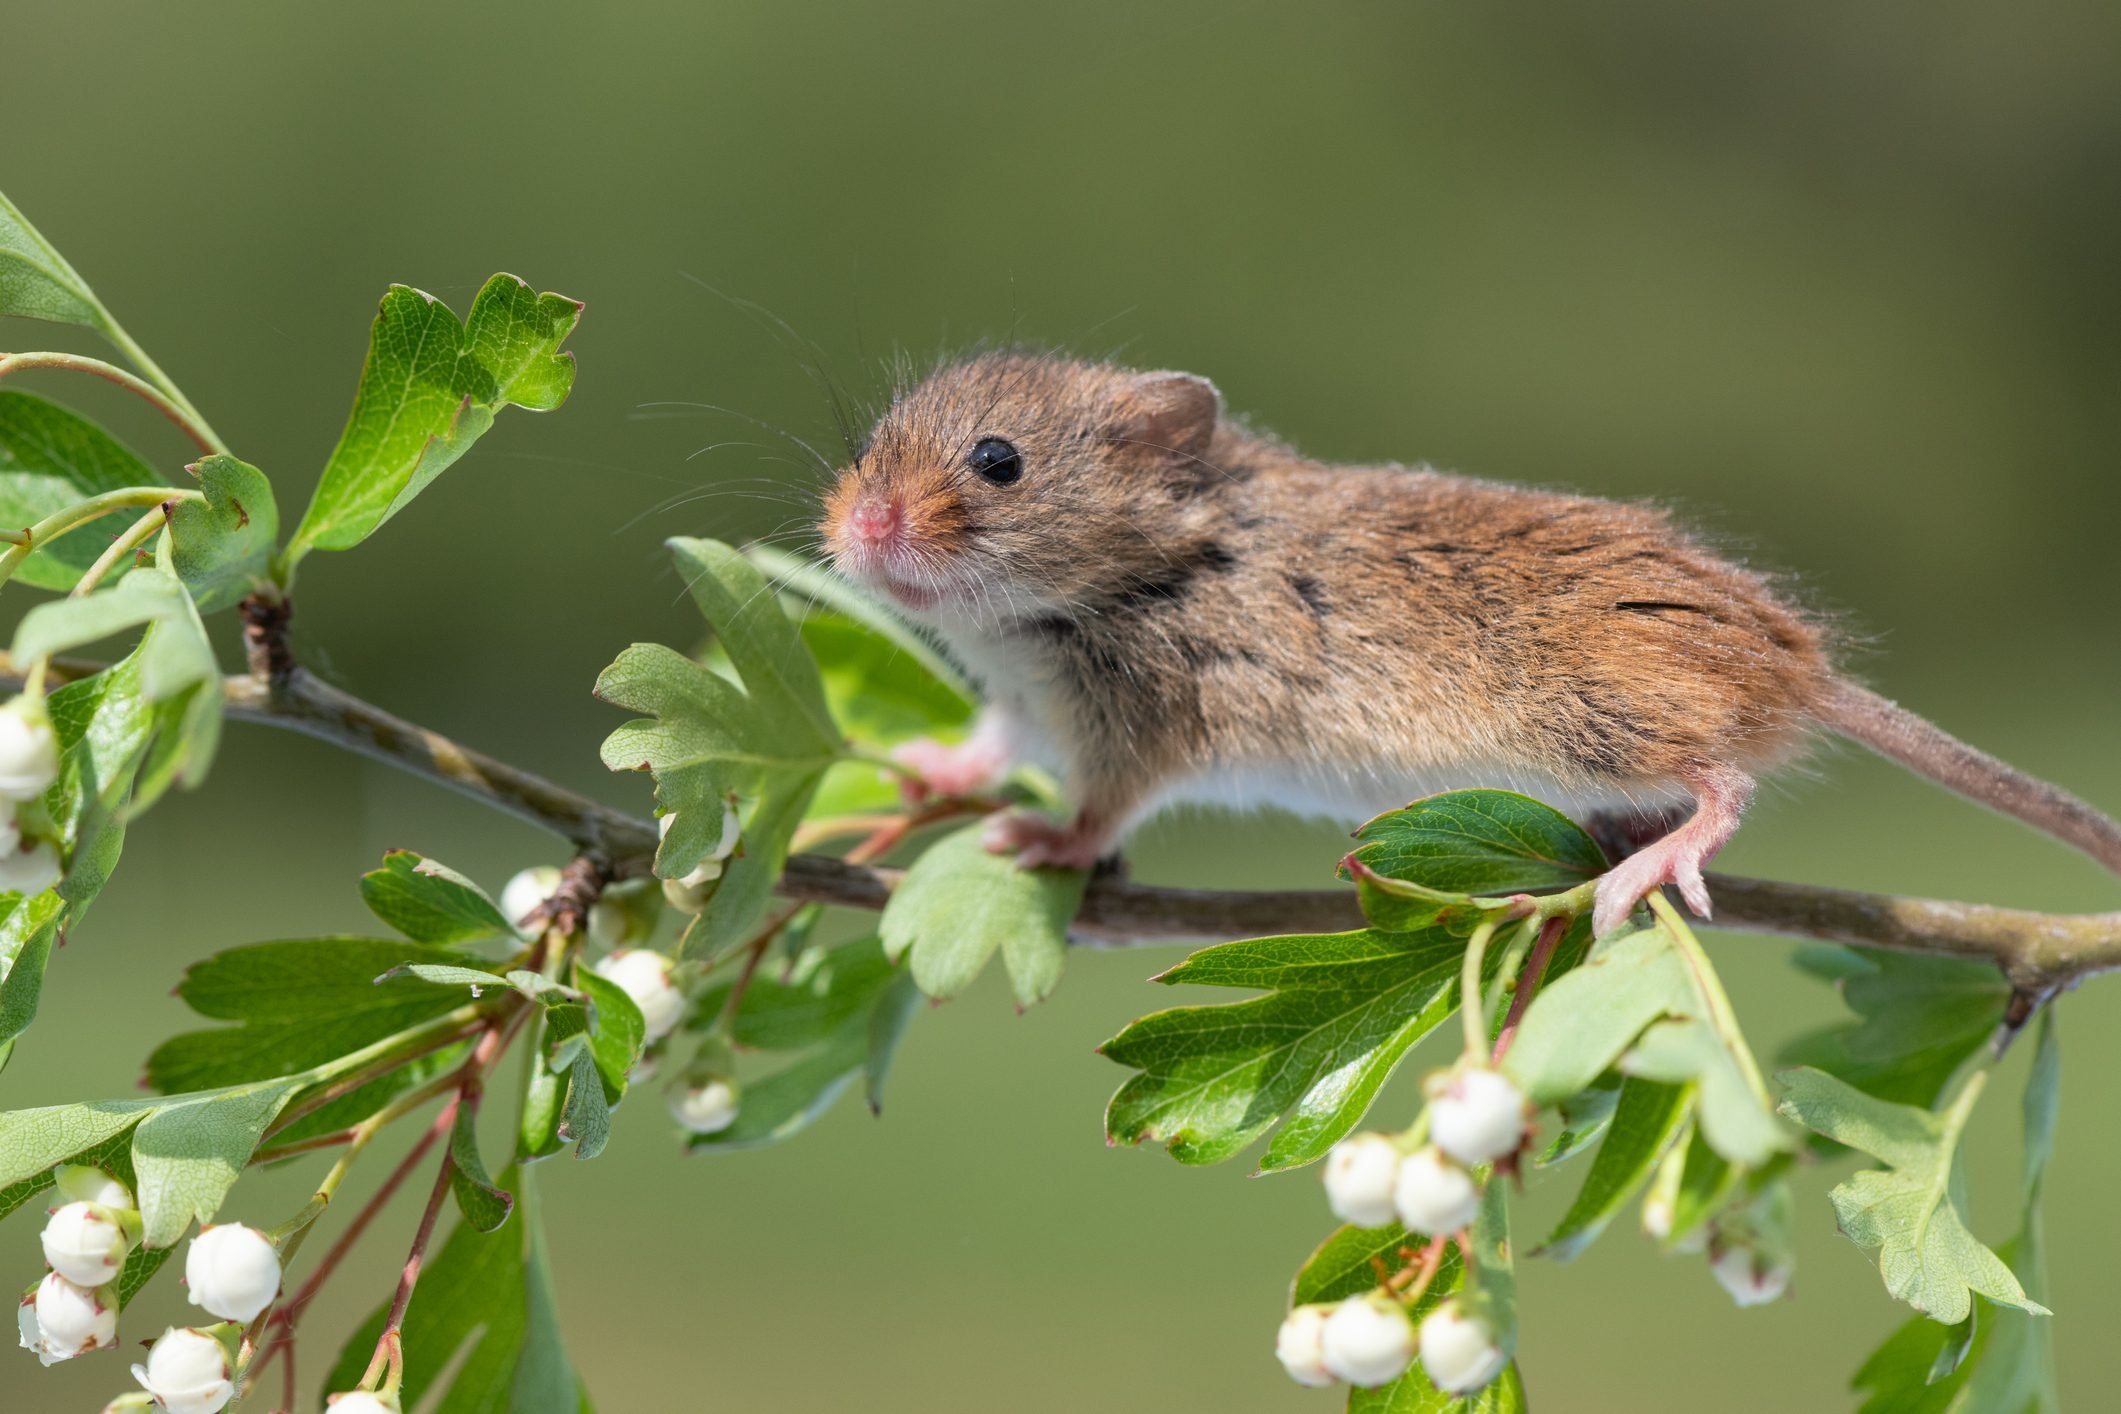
x=1011 y=485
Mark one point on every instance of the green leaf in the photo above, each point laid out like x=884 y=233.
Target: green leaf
x=811 y=588
x=52 y=458
x=845 y=1010
x=1341 y=1011
x=1645 y=1003
x=617 y=1031
x=585 y=1117
x=191 y=1151
x=484 y=1205
x=223 y=545
x=544 y=1099
x=174 y=656
x=35 y=280
x=1918 y=1019
x=766 y=737
x=302 y=1002
x=430 y=902
x=1911 y=1211
x=959 y=904
x=881 y=695
x=545 y=1380
x=1584 y=1118
x=1646 y=1121
x=429 y=389
x=1479 y=842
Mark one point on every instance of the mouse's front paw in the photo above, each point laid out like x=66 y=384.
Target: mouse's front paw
x=1039 y=843
x=949 y=771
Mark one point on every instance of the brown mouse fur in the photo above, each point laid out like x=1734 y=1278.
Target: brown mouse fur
x=1166 y=605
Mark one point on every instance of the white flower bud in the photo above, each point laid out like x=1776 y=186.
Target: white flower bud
x=79 y=1183
x=1750 y=1277
x=684 y=897
x=1359 y=1173
x=1368 y=1340
x=705 y=1107
x=732 y=831
x=646 y=977
x=187 y=1372
x=65 y=1319
x=1435 y=1195
x=233 y=1271
x=361 y=1401
x=524 y=893
x=1300 y=1345
x=85 y=1243
x=29 y=752
x=1476 y=1115
x=29 y=871
x=1458 y=1351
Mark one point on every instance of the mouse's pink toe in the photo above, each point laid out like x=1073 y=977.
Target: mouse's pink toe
x=1039 y=843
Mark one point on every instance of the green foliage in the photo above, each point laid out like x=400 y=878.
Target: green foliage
x=431 y=903
x=474 y=1333
x=187 y=1150
x=35 y=280
x=484 y=1204
x=51 y=459
x=766 y=738
x=1913 y=1211
x=1999 y=1357
x=840 y=1013
x=1645 y=1003
x=1342 y=1008
x=1647 y=1119
x=1478 y=842
x=222 y=545
x=299 y=1003
x=429 y=389
x=1918 y=1019
x=959 y=904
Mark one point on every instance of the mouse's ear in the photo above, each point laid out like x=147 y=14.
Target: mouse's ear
x=1175 y=410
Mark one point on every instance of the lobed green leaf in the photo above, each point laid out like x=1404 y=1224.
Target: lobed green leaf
x=222 y=546
x=431 y=387
x=959 y=904
x=1342 y=1011
x=1481 y=843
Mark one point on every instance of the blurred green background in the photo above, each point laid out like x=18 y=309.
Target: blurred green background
x=1837 y=280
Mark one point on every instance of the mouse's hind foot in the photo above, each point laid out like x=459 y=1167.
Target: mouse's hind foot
x=1679 y=857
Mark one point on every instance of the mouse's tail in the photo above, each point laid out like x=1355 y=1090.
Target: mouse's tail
x=1899 y=735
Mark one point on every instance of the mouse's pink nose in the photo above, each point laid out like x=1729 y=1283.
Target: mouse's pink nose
x=876 y=521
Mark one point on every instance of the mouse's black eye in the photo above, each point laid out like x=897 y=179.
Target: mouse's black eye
x=996 y=460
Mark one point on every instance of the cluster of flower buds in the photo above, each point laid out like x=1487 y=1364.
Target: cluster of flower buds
x=1476 y=1116
x=1371 y=1339
x=191 y=1371
x=74 y=1310
x=29 y=763
x=650 y=979
x=690 y=894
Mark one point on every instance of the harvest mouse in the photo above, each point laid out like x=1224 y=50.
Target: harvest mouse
x=1164 y=605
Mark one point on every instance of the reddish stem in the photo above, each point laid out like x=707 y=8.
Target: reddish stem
x=410 y=1278
x=1535 y=967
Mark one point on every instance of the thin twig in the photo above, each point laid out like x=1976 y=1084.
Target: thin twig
x=1535 y=967
x=2038 y=952
x=185 y=417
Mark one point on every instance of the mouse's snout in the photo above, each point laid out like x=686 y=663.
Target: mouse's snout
x=876 y=521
